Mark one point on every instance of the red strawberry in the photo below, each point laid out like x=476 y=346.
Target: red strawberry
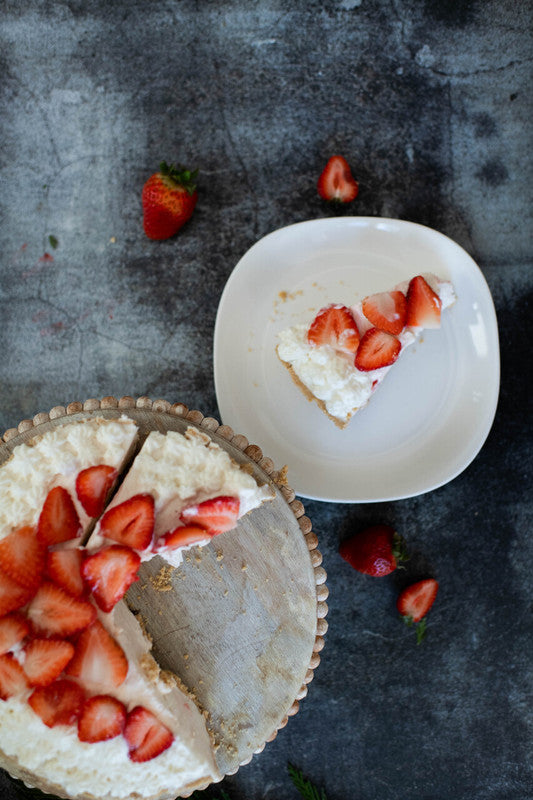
x=423 y=305
x=12 y=678
x=59 y=519
x=12 y=594
x=168 y=198
x=146 y=736
x=59 y=703
x=130 y=523
x=92 y=487
x=109 y=574
x=336 y=181
x=63 y=567
x=98 y=659
x=54 y=612
x=22 y=556
x=182 y=537
x=377 y=349
x=416 y=600
x=13 y=629
x=45 y=660
x=218 y=514
x=334 y=325
x=386 y=311
x=374 y=551
x=102 y=717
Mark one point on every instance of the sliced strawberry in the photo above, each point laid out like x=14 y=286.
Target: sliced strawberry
x=386 y=311
x=377 y=349
x=182 y=537
x=423 y=304
x=102 y=717
x=217 y=515
x=54 y=612
x=130 y=523
x=12 y=594
x=92 y=487
x=98 y=659
x=336 y=181
x=12 y=678
x=59 y=703
x=109 y=573
x=13 y=629
x=334 y=325
x=416 y=600
x=59 y=519
x=146 y=736
x=63 y=567
x=22 y=556
x=45 y=660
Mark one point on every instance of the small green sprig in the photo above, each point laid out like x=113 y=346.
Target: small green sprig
x=307 y=789
x=421 y=628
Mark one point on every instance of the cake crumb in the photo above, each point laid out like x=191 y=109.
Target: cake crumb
x=220 y=555
x=281 y=479
x=162 y=582
x=244 y=567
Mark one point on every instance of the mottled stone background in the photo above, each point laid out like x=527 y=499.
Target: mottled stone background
x=430 y=101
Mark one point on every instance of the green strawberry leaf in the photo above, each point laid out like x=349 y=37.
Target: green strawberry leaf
x=307 y=789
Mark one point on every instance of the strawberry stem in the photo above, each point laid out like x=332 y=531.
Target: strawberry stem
x=180 y=175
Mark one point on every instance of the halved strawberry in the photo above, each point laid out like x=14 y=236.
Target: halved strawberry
x=13 y=629
x=131 y=522
x=22 y=556
x=386 y=311
x=336 y=181
x=423 y=304
x=416 y=600
x=12 y=594
x=59 y=519
x=102 y=717
x=98 y=659
x=45 y=660
x=54 y=612
x=182 y=537
x=334 y=325
x=92 y=487
x=59 y=703
x=109 y=573
x=146 y=736
x=12 y=678
x=377 y=349
x=63 y=567
x=217 y=515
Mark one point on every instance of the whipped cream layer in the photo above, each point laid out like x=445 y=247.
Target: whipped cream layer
x=331 y=376
x=55 y=459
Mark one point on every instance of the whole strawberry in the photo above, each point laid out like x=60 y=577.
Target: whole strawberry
x=168 y=197
x=374 y=551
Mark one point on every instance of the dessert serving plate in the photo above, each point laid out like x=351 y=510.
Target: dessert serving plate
x=432 y=414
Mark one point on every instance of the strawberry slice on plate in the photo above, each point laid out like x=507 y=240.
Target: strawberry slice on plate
x=59 y=703
x=54 y=612
x=63 y=567
x=217 y=515
x=102 y=717
x=12 y=677
x=93 y=486
x=98 y=659
x=335 y=326
x=45 y=660
x=13 y=629
x=377 y=349
x=59 y=519
x=415 y=601
x=22 y=556
x=183 y=536
x=386 y=311
x=336 y=182
x=109 y=573
x=130 y=523
x=423 y=305
x=146 y=736
x=12 y=594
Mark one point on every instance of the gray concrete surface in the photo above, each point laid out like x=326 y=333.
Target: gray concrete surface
x=430 y=101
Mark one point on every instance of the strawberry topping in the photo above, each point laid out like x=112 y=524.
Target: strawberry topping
x=59 y=703
x=102 y=717
x=63 y=567
x=13 y=629
x=12 y=677
x=146 y=736
x=92 y=487
x=12 y=594
x=109 y=573
x=377 y=349
x=335 y=326
x=130 y=523
x=336 y=182
x=22 y=556
x=54 y=612
x=98 y=659
x=386 y=311
x=59 y=519
x=416 y=600
x=45 y=660
x=423 y=304
x=217 y=515
x=182 y=537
